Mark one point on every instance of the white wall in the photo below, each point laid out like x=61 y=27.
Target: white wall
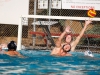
x=11 y=10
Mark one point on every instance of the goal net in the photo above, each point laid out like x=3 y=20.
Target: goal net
x=41 y=31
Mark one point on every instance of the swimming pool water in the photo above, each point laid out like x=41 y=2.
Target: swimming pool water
x=42 y=63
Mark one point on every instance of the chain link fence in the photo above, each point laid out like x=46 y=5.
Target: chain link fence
x=10 y=32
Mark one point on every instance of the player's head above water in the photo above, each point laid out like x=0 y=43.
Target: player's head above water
x=12 y=46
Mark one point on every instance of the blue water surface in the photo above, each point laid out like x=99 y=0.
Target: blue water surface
x=42 y=63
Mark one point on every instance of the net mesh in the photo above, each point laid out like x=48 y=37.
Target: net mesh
x=56 y=27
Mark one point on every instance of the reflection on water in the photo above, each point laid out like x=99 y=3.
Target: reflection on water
x=40 y=63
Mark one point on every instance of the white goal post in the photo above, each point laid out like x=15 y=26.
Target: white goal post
x=19 y=41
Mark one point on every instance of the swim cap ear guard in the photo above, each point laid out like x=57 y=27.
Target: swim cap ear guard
x=11 y=45
x=65 y=50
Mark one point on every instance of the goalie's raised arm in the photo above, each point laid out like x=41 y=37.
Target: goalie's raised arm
x=66 y=31
x=74 y=43
x=61 y=48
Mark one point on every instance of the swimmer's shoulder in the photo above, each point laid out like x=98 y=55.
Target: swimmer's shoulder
x=55 y=50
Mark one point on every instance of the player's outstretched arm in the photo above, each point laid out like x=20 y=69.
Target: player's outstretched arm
x=74 y=43
x=67 y=31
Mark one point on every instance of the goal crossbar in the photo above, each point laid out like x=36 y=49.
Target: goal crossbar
x=60 y=17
